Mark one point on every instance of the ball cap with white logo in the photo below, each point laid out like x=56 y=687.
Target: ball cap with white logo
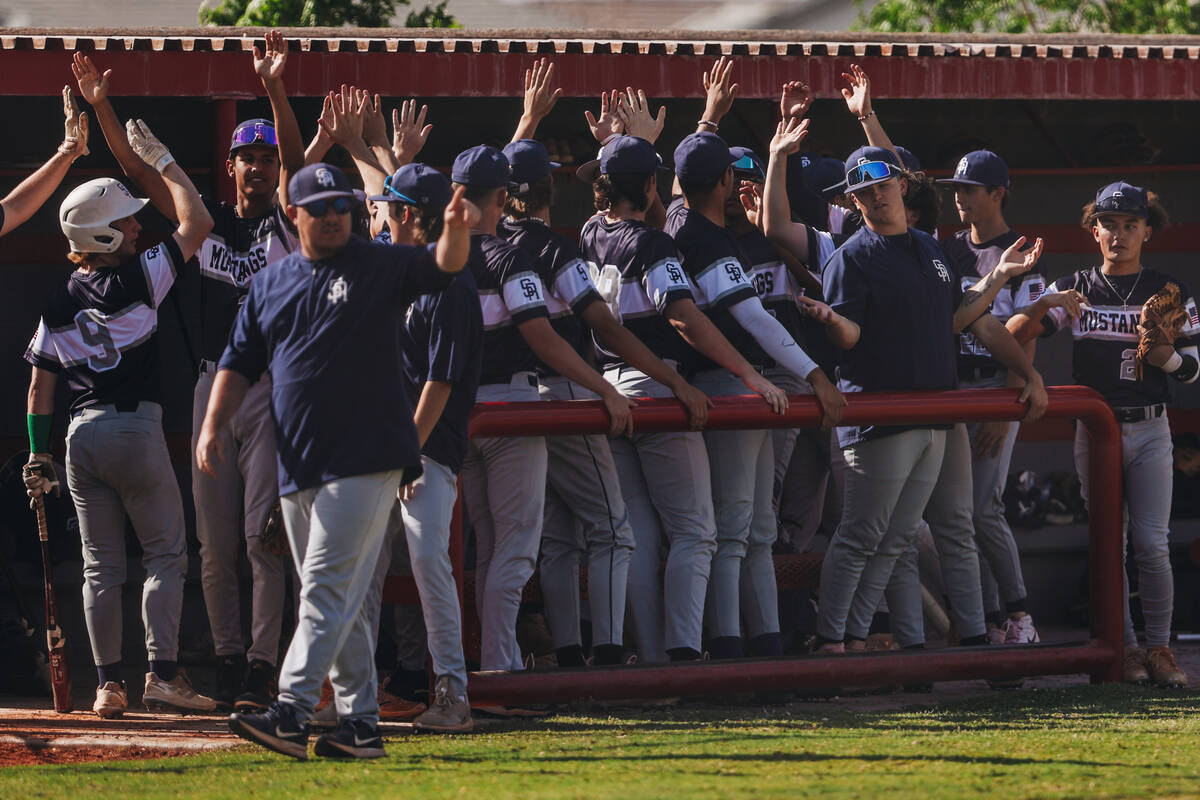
x=320 y=182
x=1122 y=198
x=980 y=168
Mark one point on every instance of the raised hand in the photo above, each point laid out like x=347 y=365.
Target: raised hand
x=460 y=212
x=93 y=86
x=374 y=125
x=346 y=122
x=634 y=113
x=409 y=131
x=795 y=101
x=789 y=133
x=270 y=65
x=75 y=137
x=540 y=92
x=750 y=195
x=609 y=123
x=1015 y=262
x=719 y=89
x=147 y=146
x=858 y=96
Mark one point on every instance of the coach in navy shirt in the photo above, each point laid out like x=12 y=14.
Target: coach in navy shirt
x=327 y=323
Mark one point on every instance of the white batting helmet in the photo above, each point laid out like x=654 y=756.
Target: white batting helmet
x=87 y=214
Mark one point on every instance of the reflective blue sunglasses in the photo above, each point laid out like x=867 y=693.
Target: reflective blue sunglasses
x=319 y=208
x=869 y=171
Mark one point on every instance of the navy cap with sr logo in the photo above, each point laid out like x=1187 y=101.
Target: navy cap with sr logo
x=483 y=167
x=320 y=182
x=1122 y=198
x=416 y=185
x=623 y=155
x=702 y=158
x=867 y=166
x=530 y=163
x=980 y=168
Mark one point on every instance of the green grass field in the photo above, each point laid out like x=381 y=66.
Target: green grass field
x=1108 y=741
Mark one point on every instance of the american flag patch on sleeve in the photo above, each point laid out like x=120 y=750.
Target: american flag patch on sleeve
x=1036 y=288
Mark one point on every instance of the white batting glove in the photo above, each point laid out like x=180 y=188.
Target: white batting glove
x=39 y=477
x=147 y=146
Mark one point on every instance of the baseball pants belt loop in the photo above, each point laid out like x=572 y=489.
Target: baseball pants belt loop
x=207 y=366
x=1139 y=413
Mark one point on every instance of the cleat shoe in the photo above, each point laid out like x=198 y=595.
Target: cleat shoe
x=995 y=634
x=174 y=695
x=1163 y=668
x=111 y=700
x=231 y=670
x=260 y=688
x=353 y=738
x=276 y=729
x=1135 y=666
x=448 y=714
x=1018 y=629
x=397 y=709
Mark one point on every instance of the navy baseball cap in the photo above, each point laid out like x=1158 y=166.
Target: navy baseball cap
x=865 y=167
x=702 y=158
x=253 y=132
x=910 y=162
x=483 y=167
x=817 y=174
x=416 y=185
x=530 y=163
x=320 y=182
x=622 y=155
x=748 y=165
x=980 y=168
x=1122 y=198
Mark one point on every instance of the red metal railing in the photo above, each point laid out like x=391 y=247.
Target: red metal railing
x=1100 y=657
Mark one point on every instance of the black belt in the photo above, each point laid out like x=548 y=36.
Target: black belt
x=127 y=406
x=533 y=381
x=972 y=374
x=1139 y=413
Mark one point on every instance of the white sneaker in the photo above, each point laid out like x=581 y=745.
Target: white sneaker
x=1020 y=630
x=174 y=695
x=111 y=700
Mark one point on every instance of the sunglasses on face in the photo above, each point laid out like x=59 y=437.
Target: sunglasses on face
x=319 y=208
x=870 y=171
x=259 y=133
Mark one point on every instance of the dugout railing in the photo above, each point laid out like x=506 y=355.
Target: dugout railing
x=1099 y=656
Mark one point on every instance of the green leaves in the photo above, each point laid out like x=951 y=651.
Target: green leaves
x=322 y=14
x=1030 y=16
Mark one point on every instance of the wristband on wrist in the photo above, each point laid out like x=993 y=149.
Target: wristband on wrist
x=165 y=161
x=1173 y=363
x=39 y=432
x=707 y=123
x=867 y=116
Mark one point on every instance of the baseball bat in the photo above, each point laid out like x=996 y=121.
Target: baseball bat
x=56 y=643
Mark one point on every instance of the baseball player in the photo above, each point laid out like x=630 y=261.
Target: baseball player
x=100 y=332
x=981 y=186
x=232 y=504
x=443 y=356
x=893 y=307
x=20 y=204
x=324 y=321
x=665 y=477
x=1103 y=306
x=504 y=479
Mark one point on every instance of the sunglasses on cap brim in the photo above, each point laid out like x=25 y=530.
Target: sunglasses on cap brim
x=400 y=196
x=259 y=133
x=746 y=164
x=869 y=171
x=319 y=208
x=1121 y=205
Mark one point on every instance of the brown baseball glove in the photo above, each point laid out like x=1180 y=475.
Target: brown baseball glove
x=1163 y=317
x=274 y=537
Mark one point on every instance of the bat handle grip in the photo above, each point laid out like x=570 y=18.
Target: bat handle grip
x=39 y=506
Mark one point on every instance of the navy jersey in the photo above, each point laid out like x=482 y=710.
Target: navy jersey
x=444 y=342
x=565 y=277
x=716 y=265
x=636 y=269
x=510 y=292
x=1106 y=334
x=330 y=332
x=970 y=262
x=902 y=295
x=101 y=329
x=235 y=250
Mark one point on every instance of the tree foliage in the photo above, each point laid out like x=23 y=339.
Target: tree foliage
x=323 y=14
x=1030 y=16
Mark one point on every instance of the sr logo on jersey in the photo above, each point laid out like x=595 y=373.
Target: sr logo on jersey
x=942 y=272
x=674 y=272
x=529 y=289
x=339 y=291
x=734 y=271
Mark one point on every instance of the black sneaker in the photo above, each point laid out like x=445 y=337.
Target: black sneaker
x=230 y=672
x=260 y=688
x=352 y=738
x=276 y=729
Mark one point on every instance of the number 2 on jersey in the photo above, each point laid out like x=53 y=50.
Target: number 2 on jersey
x=1129 y=364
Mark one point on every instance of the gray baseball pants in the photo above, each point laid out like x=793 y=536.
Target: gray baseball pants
x=584 y=511
x=802 y=469
x=1003 y=580
x=741 y=585
x=336 y=531
x=667 y=488
x=504 y=485
x=232 y=507
x=1147 y=471
x=117 y=464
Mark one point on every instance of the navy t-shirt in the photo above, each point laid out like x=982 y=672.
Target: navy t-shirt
x=903 y=296
x=717 y=267
x=102 y=329
x=565 y=277
x=444 y=342
x=510 y=292
x=330 y=332
x=636 y=269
